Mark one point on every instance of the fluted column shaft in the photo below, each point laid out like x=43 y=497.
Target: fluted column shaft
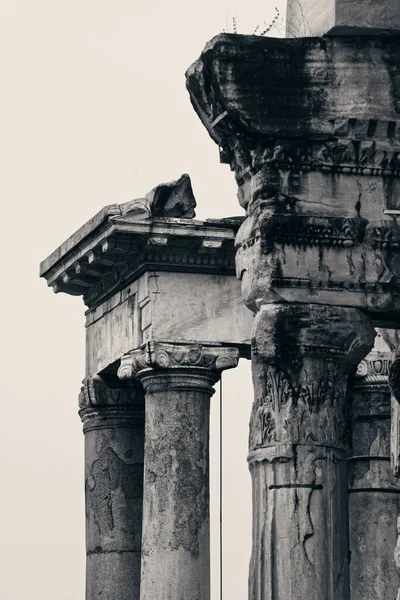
x=176 y=528
x=302 y=358
x=114 y=446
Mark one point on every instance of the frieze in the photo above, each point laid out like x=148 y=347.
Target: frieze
x=157 y=355
x=141 y=260
x=311 y=231
x=340 y=155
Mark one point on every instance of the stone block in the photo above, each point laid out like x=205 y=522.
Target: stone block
x=307 y=18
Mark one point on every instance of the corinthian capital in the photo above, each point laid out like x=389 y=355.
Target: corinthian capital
x=161 y=356
x=302 y=357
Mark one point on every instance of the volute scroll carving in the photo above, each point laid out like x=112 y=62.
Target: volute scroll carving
x=162 y=356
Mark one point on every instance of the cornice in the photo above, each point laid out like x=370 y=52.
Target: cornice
x=120 y=247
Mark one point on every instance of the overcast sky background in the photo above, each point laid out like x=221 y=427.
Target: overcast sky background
x=94 y=111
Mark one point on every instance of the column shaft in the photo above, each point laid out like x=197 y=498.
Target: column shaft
x=176 y=536
x=302 y=357
x=178 y=380
x=374 y=492
x=114 y=447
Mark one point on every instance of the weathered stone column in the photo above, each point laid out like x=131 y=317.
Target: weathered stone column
x=113 y=423
x=302 y=358
x=392 y=338
x=374 y=492
x=178 y=381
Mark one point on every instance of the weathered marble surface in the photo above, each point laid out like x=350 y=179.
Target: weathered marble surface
x=178 y=381
x=374 y=491
x=149 y=273
x=311 y=129
x=166 y=306
x=341 y=17
x=114 y=454
x=302 y=358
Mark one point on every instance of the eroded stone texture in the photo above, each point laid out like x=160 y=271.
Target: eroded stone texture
x=173 y=199
x=341 y=17
x=299 y=428
x=178 y=381
x=374 y=492
x=114 y=445
x=311 y=129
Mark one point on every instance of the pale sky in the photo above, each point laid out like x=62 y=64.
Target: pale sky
x=94 y=111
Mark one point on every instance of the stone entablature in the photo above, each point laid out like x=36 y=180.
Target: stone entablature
x=312 y=133
x=125 y=246
x=148 y=277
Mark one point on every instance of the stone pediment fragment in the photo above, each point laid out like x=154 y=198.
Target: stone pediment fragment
x=172 y=199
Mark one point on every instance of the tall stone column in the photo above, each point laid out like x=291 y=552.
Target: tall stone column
x=392 y=338
x=374 y=491
x=302 y=358
x=113 y=424
x=178 y=381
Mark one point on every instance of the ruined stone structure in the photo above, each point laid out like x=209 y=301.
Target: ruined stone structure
x=311 y=128
x=164 y=319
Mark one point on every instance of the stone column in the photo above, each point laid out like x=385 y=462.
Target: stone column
x=113 y=424
x=392 y=338
x=178 y=381
x=302 y=358
x=374 y=492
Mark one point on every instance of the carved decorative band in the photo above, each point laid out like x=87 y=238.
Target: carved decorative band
x=193 y=380
x=102 y=407
x=312 y=231
x=367 y=156
x=374 y=371
x=136 y=261
x=162 y=356
x=111 y=417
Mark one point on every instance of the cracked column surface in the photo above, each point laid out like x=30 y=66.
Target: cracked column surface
x=374 y=490
x=114 y=445
x=178 y=383
x=302 y=358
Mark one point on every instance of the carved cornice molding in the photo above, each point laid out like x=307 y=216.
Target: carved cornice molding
x=301 y=231
x=104 y=407
x=164 y=357
x=113 y=249
x=363 y=156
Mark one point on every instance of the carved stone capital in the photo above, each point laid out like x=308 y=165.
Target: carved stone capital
x=163 y=356
x=302 y=357
x=318 y=177
x=373 y=371
x=103 y=407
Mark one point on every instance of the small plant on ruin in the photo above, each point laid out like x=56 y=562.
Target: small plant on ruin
x=267 y=26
